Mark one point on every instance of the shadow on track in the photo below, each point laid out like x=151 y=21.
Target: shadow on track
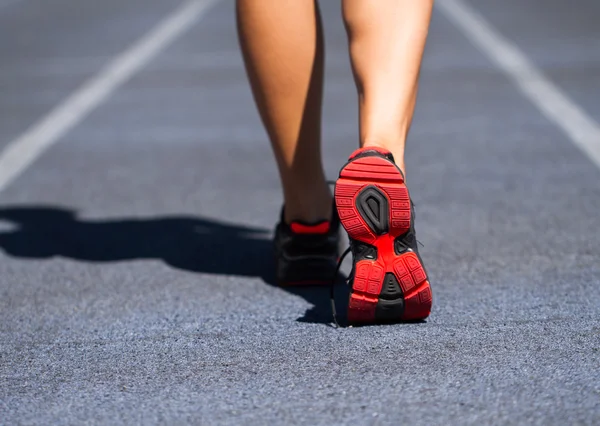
x=184 y=242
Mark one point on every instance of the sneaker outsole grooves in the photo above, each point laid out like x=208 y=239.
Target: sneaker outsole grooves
x=392 y=287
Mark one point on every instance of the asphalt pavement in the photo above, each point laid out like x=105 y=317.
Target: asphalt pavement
x=135 y=261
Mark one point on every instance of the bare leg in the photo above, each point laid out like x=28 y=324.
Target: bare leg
x=387 y=39
x=282 y=43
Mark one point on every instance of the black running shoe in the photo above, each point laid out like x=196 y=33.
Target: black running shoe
x=306 y=253
x=389 y=282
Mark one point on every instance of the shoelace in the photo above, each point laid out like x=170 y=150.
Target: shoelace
x=332 y=286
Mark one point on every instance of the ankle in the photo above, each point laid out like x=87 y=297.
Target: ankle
x=308 y=206
x=396 y=148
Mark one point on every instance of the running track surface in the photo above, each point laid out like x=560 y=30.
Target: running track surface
x=135 y=255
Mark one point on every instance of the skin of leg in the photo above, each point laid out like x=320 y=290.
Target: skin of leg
x=386 y=40
x=282 y=46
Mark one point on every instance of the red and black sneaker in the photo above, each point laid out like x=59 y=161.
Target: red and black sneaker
x=388 y=280
x=306 y=253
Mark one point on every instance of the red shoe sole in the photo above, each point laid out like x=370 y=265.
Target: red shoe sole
x=378 y=172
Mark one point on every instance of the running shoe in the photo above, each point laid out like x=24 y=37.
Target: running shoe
x=306 y=253
x=388 y=280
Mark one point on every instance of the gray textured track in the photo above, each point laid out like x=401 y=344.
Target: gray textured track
x=123 y=299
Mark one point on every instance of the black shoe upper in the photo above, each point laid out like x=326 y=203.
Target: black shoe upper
x=306 y=253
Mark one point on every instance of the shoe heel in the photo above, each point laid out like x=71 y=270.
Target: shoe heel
x=373 y=204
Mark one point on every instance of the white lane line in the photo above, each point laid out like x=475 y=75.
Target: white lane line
x=583 y=131
x=24 y=150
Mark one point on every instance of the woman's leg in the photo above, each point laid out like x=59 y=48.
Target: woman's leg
x=386 y=38
x=282 y=43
